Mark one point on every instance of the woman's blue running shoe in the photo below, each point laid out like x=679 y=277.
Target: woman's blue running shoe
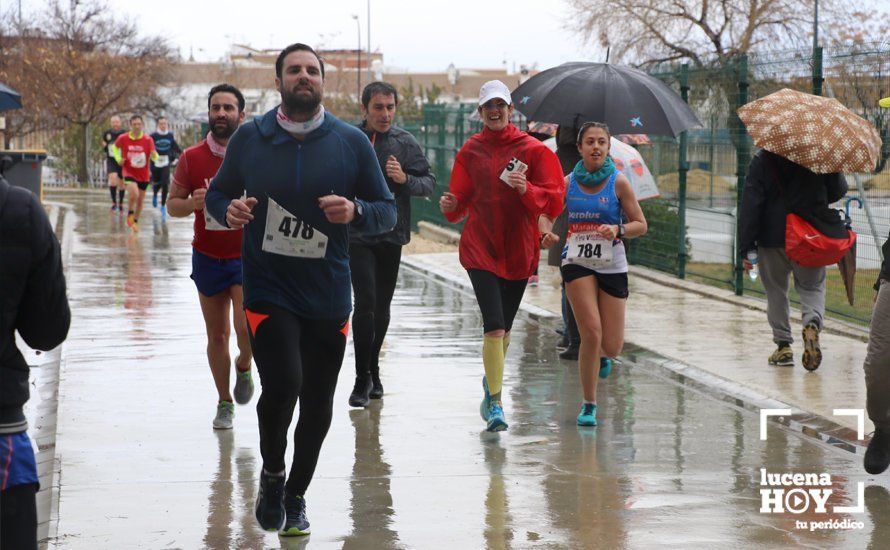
x=587 y=417
x=496 y=420
x=605 y=367
x=486 y=401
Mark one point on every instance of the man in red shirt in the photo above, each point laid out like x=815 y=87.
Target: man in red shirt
x=133 y=151
x=216 y=252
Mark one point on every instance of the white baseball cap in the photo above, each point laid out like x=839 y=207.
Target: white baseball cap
x=493 y=89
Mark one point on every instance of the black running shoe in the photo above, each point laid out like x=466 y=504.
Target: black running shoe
x=377 y=389
x=296 y=524
x=570 y=353
x=877 y=456
x=360 y=396
x=270 y=502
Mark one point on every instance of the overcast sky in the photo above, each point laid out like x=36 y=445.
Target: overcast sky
x=420 y=35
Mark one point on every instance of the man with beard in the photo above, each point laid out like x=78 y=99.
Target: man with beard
x=216 y=252
x=310 y=179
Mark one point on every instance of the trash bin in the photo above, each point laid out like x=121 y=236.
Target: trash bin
x=24 y=170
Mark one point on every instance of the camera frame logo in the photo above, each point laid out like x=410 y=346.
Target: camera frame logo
x=809 y=493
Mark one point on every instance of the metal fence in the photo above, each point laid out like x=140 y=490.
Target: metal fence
x=692 y=226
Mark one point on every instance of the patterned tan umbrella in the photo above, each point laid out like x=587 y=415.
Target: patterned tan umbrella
x=818 y=133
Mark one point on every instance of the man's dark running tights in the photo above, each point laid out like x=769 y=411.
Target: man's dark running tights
x=375 y=269
x=18 y=517
x=295 y=358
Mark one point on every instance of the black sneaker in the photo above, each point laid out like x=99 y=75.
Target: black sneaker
x=296 y=524
x=570 y=353
x=269 y=508
x=360 y=396
x=377 y=387
x=877 y=456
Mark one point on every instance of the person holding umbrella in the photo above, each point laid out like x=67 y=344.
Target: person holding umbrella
x=807 y=144
x=877 y=363
x=502 y=181
x=594 y=263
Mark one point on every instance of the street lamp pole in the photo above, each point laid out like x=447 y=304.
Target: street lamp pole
x=370 y=76
x=815 y=24
x=358 y=69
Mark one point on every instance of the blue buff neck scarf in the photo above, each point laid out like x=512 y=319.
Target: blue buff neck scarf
x=588 y=179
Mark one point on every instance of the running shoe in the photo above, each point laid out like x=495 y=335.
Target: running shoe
x=496 y=420
x=486 y=400
x=269 y=509
x=163 y=212
x=533 y=280
x=225 y=413
x=114 y=207
x=131 y=221
x=783 y=356
x=154 y=201
x=295 y=523
x=360 y=392
x=377 y=389
x=587 y=416
x=243 y=387
x=812 y=355
x=605 y=367
x=570 y=353
x=877 y=456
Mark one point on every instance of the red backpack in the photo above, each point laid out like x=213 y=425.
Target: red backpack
x=805 y=245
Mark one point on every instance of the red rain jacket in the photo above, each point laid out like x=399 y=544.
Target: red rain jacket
x=501 y=234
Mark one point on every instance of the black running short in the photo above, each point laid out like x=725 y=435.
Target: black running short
x=112 y=167
x=143 y=185
x=613 y=284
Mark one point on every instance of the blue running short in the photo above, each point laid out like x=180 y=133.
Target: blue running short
x=212 y=275
x=18 y=466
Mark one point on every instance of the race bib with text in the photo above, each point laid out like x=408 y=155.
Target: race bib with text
x=289 y=236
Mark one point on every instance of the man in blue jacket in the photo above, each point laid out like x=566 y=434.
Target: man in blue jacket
x=309 y=179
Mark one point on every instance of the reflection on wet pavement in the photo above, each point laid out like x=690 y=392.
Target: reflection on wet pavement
x=141 y=467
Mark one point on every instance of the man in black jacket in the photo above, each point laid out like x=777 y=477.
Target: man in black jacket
x=374 y=261
x=774 y=187
x=32 y=302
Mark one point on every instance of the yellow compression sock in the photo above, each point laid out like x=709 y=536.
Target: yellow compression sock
x=493 y=360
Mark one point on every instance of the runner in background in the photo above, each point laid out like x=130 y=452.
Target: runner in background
x=216 y=253
x=115 y=178
x=133 y=151
x=374 y=260
x=168 y=150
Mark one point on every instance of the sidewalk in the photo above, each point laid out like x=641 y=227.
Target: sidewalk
x=721 y=343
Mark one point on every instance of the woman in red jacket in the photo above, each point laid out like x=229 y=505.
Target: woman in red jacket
x=502 y=181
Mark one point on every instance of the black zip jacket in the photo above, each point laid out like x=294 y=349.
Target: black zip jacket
x=32 y=296
x=774 y=187
x=421 y=182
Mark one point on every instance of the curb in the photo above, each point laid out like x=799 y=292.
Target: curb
x=805 y=423
x=830 y=325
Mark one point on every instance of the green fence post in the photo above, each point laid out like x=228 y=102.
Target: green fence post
x=440 y=152
x=743 y=154
x=817 y=71
x=682 y=169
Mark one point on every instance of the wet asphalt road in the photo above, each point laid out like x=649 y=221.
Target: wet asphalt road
x=141 y=467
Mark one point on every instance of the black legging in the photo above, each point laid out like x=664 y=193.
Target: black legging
x=296 y=358
x=161 y=179
x=375 y=269
x=498 y=299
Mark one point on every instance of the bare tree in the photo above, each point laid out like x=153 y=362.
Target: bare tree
x=81 y=63
x=706 y=32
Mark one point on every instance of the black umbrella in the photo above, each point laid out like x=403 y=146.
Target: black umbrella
x=9 y=98
x=628 y=100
